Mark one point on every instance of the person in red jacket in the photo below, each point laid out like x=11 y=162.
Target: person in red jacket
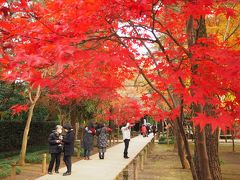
x=144 y=130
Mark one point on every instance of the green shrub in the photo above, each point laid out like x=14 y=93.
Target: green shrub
x=40 y=113
x=8 y=154
x=79 y=151
x=36 y=157
x=5 y=170
x=15 y=154
x=12 y=131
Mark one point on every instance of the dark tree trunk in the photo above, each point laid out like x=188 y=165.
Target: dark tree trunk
x=186 y=144
x=180 y=147
x=212 y=150
x=73 y=116
x=202 y=156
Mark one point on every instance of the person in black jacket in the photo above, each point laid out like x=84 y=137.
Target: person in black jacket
x=55 y=148
x=68 y=147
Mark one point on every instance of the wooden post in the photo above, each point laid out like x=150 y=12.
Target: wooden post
x=77 y=129
x=168 y=136
x=153 y=141
x=148 y=148
x=78 y=152
x=151 y=144
x=116 y=178
x=44 y=163
x=125 y=174
x=118 y=134
x=145 y=153
x=13 y=172
x=110 y=140
x=141 y=161
x=135 y=169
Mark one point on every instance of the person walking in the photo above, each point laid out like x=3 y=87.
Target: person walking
x=144 y=130
x=88 y=140
x=126 y=132
x=68 y=147
x=55 y=149
x=102 y=142
x=154 y=129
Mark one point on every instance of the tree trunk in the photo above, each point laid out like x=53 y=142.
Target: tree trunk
x=186 y=144
x=175 y=133
x=73 y=116
x=212 y=150
x=27 y=127
x=180 y=147
x=202 y=156
x=233 y=144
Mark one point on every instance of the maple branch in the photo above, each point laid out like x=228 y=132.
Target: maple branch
x=137 y=38
x=141 y=71
x=37 y=19
x=227 y=28
x=157 y=39
x=135 y=82
x=166 y=55
x=145 y=77
x=30 y=96
x=96 y=38
x=154 y=88
x=181 y=81
x=149 y=51
x=171 y=97
x=233 y=32
x=161 y=45
x=174 y=39
x=154 y=60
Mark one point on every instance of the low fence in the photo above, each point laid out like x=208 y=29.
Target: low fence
x=137 y=163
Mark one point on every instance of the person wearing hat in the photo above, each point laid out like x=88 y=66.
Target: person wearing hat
x=68 y=147
x=55 y=149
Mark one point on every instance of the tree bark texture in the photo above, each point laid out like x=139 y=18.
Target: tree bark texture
x=27 y=127
x=212 y=150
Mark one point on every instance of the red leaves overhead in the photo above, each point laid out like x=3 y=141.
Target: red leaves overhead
x=79 y=49
x=126 y=109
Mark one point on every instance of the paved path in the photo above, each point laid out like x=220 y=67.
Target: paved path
x=106 y=169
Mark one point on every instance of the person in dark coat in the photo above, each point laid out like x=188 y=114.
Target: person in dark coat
x=102 y=141
x=87 y=143
x=55 y=149
x=68 y=147
x=154 y=129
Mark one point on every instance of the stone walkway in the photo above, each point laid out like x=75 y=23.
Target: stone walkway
x=106 y=169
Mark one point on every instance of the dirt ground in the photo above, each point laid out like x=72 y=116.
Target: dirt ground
x=230 y=161
x=163 y=164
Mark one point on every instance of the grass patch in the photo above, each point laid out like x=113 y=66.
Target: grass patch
x=163 y=140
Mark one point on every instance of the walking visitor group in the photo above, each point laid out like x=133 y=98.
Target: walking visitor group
x=61 y=140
